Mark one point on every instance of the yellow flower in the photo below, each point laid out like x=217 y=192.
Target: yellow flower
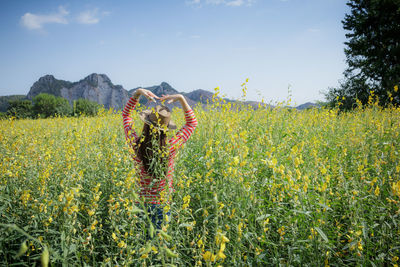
x=122 y=244
x=236 y=160
x=208 y=256
x=281 y=230
x=359 y=245
x=93 y=226
x=396 y=88
x=396 y=188
x=220 y=255
x=186 y=201
x=377 y=190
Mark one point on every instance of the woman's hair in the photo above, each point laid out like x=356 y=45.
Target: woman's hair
x=151 y=150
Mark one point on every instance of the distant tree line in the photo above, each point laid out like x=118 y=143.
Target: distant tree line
x=373 y=55
x=46 y=105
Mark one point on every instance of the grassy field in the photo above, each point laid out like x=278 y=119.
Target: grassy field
x=253 y=188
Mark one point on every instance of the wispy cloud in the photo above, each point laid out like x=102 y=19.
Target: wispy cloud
x=221 y=2
x=36 y=21
x=236 y=3
x=89 y=17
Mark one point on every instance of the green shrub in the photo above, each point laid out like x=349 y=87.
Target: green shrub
x=20 y=109
x=46 y=105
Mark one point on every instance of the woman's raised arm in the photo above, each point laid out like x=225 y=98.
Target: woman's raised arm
x=130 y=133
x=191 y=122
x=178 y=97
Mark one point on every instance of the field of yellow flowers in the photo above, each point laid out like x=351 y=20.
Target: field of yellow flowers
x=253 y=188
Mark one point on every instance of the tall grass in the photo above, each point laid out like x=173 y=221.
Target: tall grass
x=264 y=187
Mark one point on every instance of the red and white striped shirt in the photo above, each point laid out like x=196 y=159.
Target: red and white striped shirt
x=151 y=192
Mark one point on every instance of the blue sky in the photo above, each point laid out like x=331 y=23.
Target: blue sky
x=190 y=44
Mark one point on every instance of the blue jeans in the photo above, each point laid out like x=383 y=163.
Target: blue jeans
x=155 y=212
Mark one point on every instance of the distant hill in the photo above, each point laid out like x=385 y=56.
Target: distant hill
x=306 y=106
x=200 y=95
x=99 y=88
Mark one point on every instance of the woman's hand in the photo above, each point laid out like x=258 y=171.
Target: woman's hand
x=171 y=98
x=148 y=94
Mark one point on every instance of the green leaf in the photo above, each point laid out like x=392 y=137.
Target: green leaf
x=322 y=234
x=185 y=225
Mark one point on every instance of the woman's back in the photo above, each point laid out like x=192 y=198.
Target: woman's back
x=153 y=188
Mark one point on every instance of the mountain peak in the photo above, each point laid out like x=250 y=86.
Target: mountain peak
x=47 y=84
x=95 y=77
x=165 y=84
x=200 y=95
x=47 y=78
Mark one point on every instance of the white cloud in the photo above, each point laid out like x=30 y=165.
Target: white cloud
x=235 y=3
x=195 y=36
x=88 y=17
x=215 y=2
x=36 y=22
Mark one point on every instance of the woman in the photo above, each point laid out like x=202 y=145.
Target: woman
x=153 y=153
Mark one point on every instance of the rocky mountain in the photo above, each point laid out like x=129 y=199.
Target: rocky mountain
x=200 y=95
x=99 y=88
x=48 y=84
x=95 y=87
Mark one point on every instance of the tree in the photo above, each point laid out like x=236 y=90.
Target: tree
x=46 y=105
x=372 y=52
x=4 y=101
x=20 y=109
x=3 y=115
x=86 y=107
x=63 y=108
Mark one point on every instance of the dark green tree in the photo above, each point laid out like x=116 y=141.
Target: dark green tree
x=3 y=115
x=86 y=107
x=4 y=101
x=372 y=52
x=46 y=105
x=20 y=109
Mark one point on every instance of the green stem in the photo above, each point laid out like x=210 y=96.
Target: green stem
x=16 y=228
